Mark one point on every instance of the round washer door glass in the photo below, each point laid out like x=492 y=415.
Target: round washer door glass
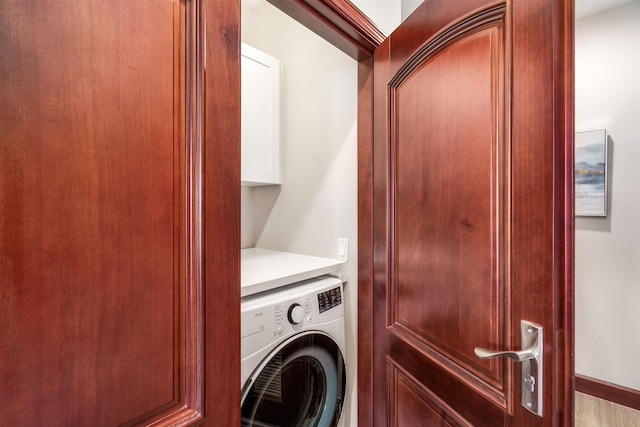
x=301 y=384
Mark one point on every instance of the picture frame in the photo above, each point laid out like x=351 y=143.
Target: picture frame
x=591 y=177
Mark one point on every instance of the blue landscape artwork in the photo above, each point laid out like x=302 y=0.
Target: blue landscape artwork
x=591 y=173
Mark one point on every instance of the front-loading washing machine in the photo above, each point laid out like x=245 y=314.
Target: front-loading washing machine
x=293 y=346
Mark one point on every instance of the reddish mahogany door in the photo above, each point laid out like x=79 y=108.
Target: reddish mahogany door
x=472 y=216
x=119 y=277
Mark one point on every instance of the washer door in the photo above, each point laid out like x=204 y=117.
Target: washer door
x=301 y=384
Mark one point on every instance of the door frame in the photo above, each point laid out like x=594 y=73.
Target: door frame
x=347 y=28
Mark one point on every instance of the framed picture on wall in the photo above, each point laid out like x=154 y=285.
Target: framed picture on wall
x=591 y=173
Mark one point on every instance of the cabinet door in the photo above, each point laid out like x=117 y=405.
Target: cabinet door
x=260 y=118
x=118 y=242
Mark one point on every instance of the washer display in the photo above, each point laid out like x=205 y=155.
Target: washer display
x=293 y=369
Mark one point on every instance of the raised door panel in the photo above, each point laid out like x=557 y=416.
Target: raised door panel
x=98 y=303
x=449 y=222
x=410 y=403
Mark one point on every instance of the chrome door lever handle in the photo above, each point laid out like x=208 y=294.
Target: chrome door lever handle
x=518 y=356
x=531 y=356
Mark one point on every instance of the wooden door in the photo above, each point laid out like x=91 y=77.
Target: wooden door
x=472 y=212
x=119 y=213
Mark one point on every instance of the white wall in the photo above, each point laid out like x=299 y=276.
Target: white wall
x=317 y=202
x=608 y=250
x=386 y=14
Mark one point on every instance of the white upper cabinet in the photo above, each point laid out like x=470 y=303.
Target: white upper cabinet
x=260 y=118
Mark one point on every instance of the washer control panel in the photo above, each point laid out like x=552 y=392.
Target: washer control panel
x=329 y=299
x=274 y=315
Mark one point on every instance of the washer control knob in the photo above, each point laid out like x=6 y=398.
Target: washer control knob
x=295 y=314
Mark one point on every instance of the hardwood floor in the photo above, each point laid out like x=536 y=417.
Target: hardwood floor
x=594 y=412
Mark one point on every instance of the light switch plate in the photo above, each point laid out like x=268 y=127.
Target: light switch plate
x=343 y=249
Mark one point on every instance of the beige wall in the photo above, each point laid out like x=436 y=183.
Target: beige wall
x=608 y=250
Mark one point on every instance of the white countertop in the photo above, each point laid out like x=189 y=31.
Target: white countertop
x=263 y=269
